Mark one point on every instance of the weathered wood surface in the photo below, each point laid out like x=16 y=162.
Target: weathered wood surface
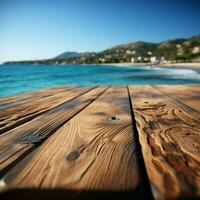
x=25 y=110
x=17 y=142
x=168 y=123
x=80 y=142
x=23 y=97
x=186 y=94
x=95 y=150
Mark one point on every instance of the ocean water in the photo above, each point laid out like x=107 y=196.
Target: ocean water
x=16 y=79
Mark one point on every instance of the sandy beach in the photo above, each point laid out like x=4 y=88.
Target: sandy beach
x=186 y=65
x=192 y=65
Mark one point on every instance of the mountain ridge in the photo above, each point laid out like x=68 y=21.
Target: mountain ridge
x=180 y=49
x=67 y=54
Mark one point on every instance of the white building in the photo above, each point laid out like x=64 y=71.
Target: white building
x=132 y=60
x=154 y=59
x=82 y=58
x=196 y=50
x=163 y=61
x=102 y=60
x=128 y=51
x=134 y=52
x=178 y=46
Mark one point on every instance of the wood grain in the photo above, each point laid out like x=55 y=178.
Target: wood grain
x=33 y=106
x=94 y=151
x=16 y=143
x=83 y=144
x=23 y=97
x=170 y=140
x=186 y=94
x=13 y=102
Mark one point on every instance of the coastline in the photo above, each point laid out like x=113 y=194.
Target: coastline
x=185 y=65
x=189 y=65
x=181 y=65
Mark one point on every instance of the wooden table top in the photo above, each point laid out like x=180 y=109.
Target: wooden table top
x=101 y=142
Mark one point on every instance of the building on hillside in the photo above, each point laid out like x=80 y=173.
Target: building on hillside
x=83 y=58
x=178 y=46
x=128 y=52
x=154 y=60
x=102 y=60
x=132 y=59
x=134 y=52
x=196 y=50
x=163 y=60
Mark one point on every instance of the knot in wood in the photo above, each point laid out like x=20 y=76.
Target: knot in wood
x=73 y=156
x=113 y=118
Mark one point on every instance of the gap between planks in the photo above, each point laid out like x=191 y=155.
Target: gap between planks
x=169 y=137
x=147 y=102
x=101 y=133
x=17 y=142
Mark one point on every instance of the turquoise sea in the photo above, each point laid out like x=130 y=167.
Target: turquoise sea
x=16 y=79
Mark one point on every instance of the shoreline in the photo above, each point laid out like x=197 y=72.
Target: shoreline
x=185 y=65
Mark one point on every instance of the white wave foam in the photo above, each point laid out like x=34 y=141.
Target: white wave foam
x=181 y=73
x=152 y=68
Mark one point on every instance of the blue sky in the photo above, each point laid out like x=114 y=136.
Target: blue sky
x=37 y=29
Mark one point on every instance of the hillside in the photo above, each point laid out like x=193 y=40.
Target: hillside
x=67 y=54
x=177 y=50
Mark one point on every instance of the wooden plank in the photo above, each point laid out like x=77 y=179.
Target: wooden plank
x=27 y=97
x=16 y=143
x=187 y=94
x=94 y=151
x=9 y=105
x=170 y=141
x=13 y=100
x=13 y=116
